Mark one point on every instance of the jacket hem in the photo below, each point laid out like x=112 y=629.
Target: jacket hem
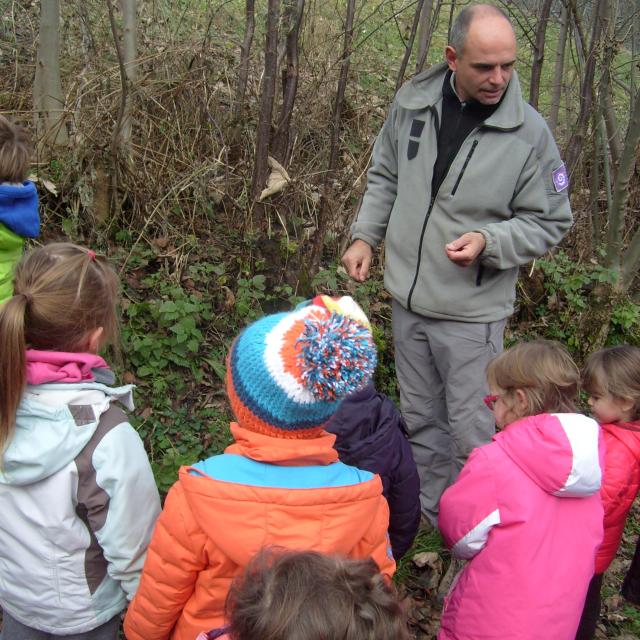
x=98 y=620
x=495 y=316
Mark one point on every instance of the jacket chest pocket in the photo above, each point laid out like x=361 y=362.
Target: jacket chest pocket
x=415 y=133
x=465 y=164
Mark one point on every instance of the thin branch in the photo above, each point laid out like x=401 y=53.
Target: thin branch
x=115 y=141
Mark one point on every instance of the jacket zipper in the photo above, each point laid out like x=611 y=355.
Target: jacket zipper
x=433 y=199
x=436 y=120
x=464 y=167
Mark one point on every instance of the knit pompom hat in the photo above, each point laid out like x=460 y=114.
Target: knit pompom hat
x=287 y=372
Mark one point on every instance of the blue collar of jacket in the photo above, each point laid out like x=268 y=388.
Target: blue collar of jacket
x=425 y=91
x=19 y=209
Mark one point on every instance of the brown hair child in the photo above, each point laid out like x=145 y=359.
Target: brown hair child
x=290 y=595
x=19 y=217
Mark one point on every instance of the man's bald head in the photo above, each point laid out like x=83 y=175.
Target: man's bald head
x=485 y=54
x=460 y=26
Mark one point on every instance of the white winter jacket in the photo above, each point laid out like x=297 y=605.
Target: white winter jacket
x=78 y=503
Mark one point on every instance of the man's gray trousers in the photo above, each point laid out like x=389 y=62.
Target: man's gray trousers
x=441 y=367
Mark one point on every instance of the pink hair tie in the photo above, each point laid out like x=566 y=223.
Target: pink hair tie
x=92 y=255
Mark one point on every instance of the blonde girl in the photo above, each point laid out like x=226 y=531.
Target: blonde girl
x=525 y=510
x=77 y=496
x=611 y=377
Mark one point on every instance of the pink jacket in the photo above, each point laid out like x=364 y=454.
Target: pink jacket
x=526 y=512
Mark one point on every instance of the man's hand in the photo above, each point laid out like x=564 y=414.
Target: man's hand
x=357 y=260
x=465 y=249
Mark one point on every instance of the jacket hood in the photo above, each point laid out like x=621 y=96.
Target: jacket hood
x=242 y=517
x=362 y=423
x=54 y=422
x=559 y=452
x=425 y=90
x=628 y=433
x=19 y=209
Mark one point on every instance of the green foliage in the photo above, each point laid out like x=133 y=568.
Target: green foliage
x=166 y=350
x=578 y=292
x=625 y=323
x=249 y=296
x=164 y=330
x=177 y=437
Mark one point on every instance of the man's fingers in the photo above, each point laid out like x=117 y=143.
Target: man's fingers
x=457 y=244
x=357 y=260
x=363 y=271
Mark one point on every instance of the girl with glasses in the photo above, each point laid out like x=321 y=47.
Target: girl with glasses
x=525 y=510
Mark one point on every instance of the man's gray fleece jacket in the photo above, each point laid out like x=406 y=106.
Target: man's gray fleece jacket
x=500 y=184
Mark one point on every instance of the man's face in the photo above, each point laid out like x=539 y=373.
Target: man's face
x=484 y=67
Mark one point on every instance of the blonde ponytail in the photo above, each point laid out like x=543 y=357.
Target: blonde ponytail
x=12 y=362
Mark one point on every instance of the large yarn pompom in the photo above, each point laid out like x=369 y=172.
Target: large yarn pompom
x=337 y=356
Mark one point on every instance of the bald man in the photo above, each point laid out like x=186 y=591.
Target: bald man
x=465 y=185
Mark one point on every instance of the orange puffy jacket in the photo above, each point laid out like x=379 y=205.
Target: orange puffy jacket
x=263 y=491
x=620 y=485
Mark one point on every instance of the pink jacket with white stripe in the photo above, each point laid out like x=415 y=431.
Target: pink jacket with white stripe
x=526 y=511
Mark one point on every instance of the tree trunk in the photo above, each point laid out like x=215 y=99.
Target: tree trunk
x=294 y=10
x=48 y=99
x=424 y=34
x=452 y=10
x=615 y=236
x=581 y=40
x=409 y=47
x=538 y=53
x=574 y=147
x=599 y=153
x=117 y=146
x=606 y=170
x=606 y=101
x=435 y=16
x=635 y=51
x=129 y=55
x=556 y=92
x=263 y=136
x=245 y=50
x=336 y=121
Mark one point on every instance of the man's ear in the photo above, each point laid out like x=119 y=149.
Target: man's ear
x=451 y=57
x=94 y=340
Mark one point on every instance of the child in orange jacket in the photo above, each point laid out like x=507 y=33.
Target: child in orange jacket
x=279 y=484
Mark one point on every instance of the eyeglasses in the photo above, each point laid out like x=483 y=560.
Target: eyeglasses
x=490 y=401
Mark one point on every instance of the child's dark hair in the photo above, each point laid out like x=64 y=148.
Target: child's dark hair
x=545 y=372
x=14 y=152
x=285 y=595
x=614 y=371
x=62 y=292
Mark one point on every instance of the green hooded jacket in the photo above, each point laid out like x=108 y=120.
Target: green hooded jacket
x=10 y=253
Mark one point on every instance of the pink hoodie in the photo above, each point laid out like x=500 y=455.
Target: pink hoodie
x=59 y=366
x=526 y=511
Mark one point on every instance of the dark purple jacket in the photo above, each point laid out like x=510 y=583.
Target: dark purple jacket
x=371 y=435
